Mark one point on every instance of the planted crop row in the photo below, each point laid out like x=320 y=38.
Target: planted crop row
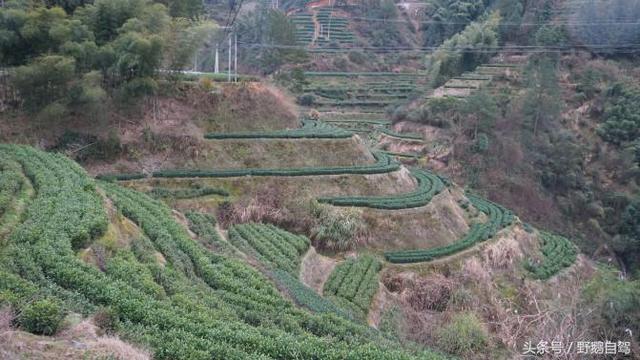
x=403 y=155
x=429 y=185
x=557 y=253
x=408 y=76
x=11 y=183
x=186 y=193
x=281 y=249
x=355 y=280
x=306 y=297
x=407 y=136
x=204 y=225
x=499 y=218
x=368 y=103
x=278 y=331
x=310 y=130
x=360 y=122
x=207 y=306
x=383 y=164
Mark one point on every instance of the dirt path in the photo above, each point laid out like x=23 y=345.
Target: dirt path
x=378 y=305
x=13 y=216
x=315 y=269
x=316 y=27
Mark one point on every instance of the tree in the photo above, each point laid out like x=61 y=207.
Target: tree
x=449 y=17
x=627 y=244
x=542 y=103
x=44 y=81
x=621 y=114
x=464 y=51
x=511 y=12
x=603 y=25
x=184 y=39
x=483 y=109
x=275 y=34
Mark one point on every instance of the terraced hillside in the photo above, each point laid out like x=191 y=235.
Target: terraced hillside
x=354 y=283
x=195 y=304
x=321 y=28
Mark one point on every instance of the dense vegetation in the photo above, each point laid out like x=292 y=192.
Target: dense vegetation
x=11 y=183
x=354 y=281
x=272 y=246
x=429 y=185
x=186 y=193
x=199 y=305
x=310 y=130
x=383 y=164
x=204 y=226
x=73 y=59
x=557 y=253
x=499 y=218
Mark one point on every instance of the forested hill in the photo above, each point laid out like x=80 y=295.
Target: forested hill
x=330 y=179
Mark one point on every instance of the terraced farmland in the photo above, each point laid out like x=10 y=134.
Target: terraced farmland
x=322 y=28
x=276 y=247
x=383 y=164
x=428 y=186
x=333 y=29
x=365 y=93
x=204 y=225
x=557 y=253
x=310 y=130
x=355 y=281
x=499 y=218
x=13 y=193
x=467 y=83
x=305 y=28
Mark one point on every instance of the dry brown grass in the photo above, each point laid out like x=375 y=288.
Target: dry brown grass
x=6 y=318
x=79 y=341
x=315 y=269
x=429 y=293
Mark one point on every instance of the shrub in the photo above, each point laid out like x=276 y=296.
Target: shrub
x=306 y=100
x=42 y=317
x=557 y=253
x=336 y=229
x=355 y=281
x=499 y=218
x=429 y=185
x=463 y=335
x=107 y=319
x=621 y=114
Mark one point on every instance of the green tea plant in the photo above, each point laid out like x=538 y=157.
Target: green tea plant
x=281 y=249
x=310 y=130
x=204 y=225
x=356 y=281
x=186 y=193
x=429 y=185
x=557 y=253
x=11 y=183
x=203 y=305
x=499 y=218
x=306 y=297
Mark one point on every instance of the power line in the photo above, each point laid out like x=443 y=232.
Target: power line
x=625 y=48
x=602 y=23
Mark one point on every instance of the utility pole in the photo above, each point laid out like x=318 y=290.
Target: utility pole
x=235 y=61
x=216 y=66
x=195 y=62
x=229 y=67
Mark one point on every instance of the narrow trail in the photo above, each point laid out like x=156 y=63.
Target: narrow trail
x=315 y=269
x=13 y=216
x=378 y=305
